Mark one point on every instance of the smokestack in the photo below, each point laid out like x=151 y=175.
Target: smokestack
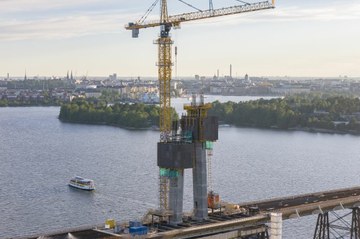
x=230 y=71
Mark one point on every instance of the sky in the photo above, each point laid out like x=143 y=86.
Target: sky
x=299 y=38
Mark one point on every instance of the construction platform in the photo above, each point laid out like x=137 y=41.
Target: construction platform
x=216 y=225
x=250 y=219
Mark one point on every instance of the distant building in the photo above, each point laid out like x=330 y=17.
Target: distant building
x=247 y=79
x=149 y=98
x=290 y=89
x=113 y=77
x=92 y=93
x=91 y=86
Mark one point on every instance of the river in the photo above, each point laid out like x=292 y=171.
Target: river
x=39 y=154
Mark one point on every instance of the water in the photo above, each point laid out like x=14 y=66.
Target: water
x=39 y=154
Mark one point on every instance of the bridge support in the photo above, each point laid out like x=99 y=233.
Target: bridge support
x=355 y=224
x=340 y=227
x=276 y=225
x=262 y=235
x=322 y=227
x=200 y=183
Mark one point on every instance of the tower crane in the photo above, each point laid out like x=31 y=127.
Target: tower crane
x=164 y=42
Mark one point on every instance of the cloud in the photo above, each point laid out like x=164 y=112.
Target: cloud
x=62 y=27
x=335 y=12
x=92 y=21
x=57 y=19
x=11 y=6
x=329 y=13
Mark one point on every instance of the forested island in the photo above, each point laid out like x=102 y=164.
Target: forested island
x=337 y=114
x=122 y=115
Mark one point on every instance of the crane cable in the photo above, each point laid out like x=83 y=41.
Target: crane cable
x=211 y=6
x=209 y=151
x=246 y=3
x=190 y=5
x=176 y=69
x=143 y=18
x=151 y=8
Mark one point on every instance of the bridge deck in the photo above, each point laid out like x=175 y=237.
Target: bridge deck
x=306 y=204
x=290 y=207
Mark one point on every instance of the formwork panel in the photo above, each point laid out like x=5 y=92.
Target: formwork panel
x=190 y=124
x=211 y=128
x=175 y=155
x=207 y=131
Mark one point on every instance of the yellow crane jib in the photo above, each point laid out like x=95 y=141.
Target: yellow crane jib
x=175 y=20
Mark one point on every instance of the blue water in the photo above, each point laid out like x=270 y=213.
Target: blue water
x=39 y=154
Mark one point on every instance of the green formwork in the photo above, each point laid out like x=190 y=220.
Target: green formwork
x=188 y=136
x=209 y=145
x=169 y=173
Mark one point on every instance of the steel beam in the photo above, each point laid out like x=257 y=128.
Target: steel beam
x=322 y=227
x=355 y=224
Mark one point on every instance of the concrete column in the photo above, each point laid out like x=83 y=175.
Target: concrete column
x=176 y=195
x=276 y=225
x=200 y=183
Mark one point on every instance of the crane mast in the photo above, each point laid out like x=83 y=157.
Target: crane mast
x=168 y=183
x=164 y=73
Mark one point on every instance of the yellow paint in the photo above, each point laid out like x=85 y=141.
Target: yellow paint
x=110 y=223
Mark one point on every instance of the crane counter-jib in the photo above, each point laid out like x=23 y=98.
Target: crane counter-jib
x=175 y=20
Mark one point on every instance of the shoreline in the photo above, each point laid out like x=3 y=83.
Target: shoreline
x=156 y=128
x=106 y=124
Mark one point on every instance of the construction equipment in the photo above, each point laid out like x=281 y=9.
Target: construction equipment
x=176 y=20
x=166 y=23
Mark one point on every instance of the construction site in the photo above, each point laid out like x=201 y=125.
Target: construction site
x=187 y=144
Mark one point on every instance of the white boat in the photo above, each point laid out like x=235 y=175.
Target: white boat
x=82 y=183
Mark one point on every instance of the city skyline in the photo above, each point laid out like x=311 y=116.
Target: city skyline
x=88 y=37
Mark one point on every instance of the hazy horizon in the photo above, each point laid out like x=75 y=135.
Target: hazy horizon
x=39 y=77
x=297 y=38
